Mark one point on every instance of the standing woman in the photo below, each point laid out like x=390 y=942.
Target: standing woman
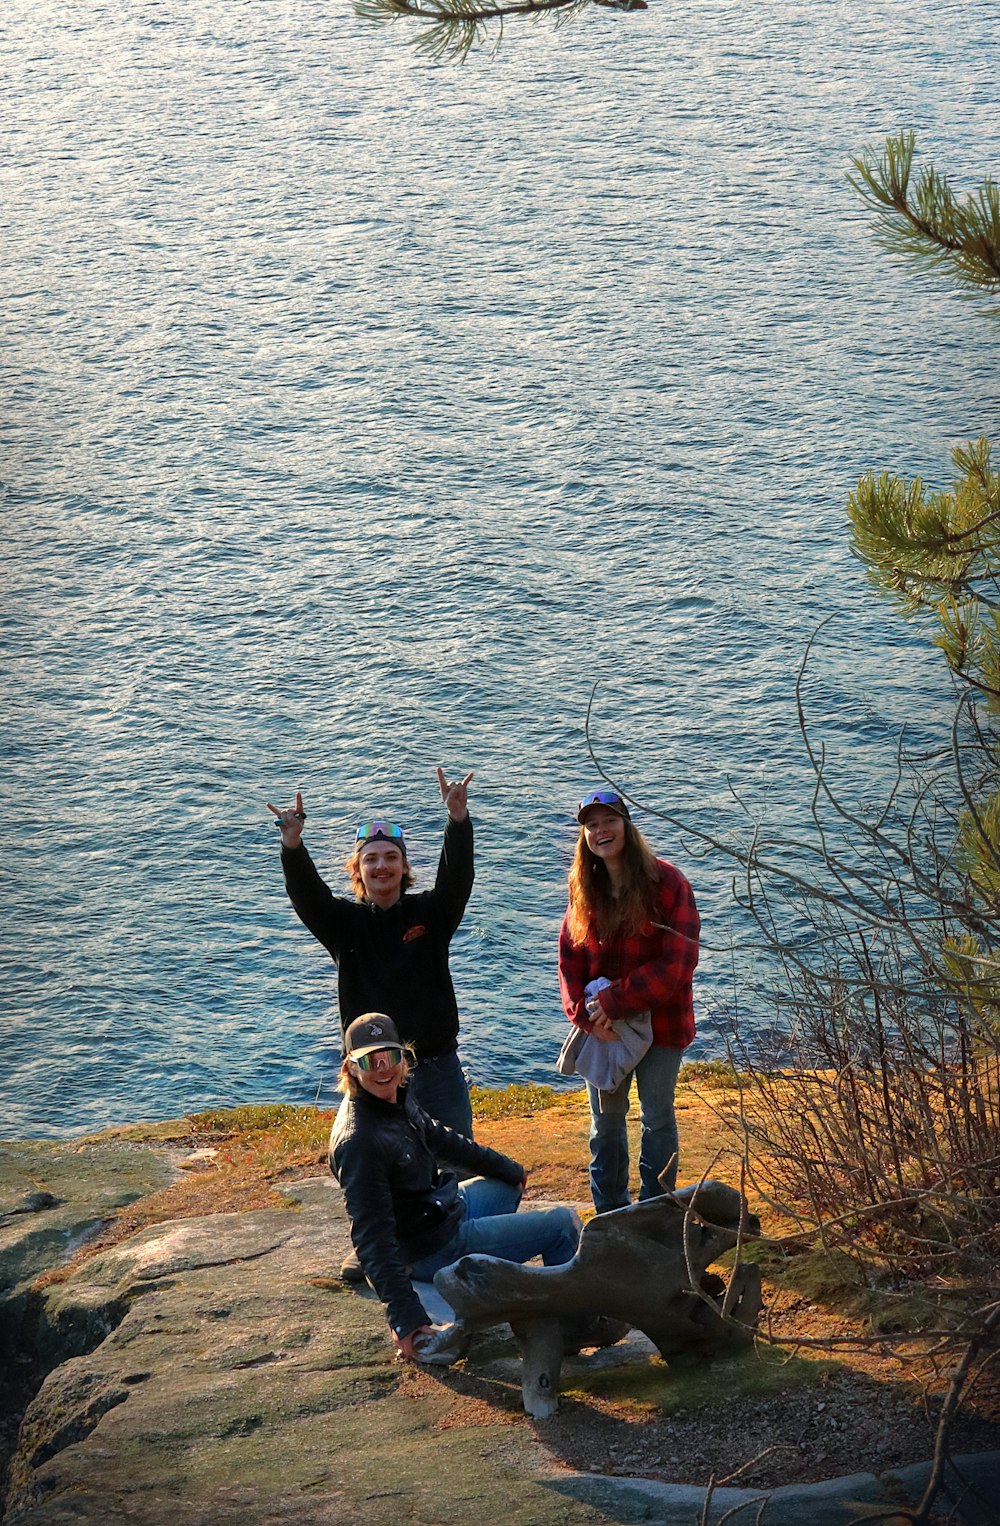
x=631 y=921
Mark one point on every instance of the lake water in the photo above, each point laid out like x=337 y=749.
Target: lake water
x=360 y=414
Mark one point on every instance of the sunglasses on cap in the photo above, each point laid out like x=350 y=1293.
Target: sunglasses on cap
x=368 y=831
x=367 y=1061
x=602 y=797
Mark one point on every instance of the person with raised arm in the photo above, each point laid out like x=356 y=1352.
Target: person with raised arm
x=390 y=944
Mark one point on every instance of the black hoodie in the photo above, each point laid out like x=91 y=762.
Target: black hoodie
x=393 y=961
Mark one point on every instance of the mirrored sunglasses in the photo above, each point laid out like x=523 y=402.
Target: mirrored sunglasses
x=367 y=1061
x=602 y=797
x=369 y=830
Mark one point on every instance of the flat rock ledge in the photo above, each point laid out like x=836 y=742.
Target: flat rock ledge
x=213 y=1370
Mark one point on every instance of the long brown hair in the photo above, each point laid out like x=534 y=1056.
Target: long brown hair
x=592 y=905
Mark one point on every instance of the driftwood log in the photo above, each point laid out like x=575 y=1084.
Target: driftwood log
x=639 y=1266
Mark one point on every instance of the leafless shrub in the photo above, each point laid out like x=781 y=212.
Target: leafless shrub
x=869 y=1113
x=880 y=1134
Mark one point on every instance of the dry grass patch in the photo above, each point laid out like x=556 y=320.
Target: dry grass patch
x=552 y=1144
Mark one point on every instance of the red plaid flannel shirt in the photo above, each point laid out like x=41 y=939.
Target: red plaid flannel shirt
x=650 y=970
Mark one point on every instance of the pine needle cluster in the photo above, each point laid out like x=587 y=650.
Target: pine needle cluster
x=937 y=555
x=923 y=220
x=456 y=26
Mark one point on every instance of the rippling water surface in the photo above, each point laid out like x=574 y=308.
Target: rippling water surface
x=360 y=414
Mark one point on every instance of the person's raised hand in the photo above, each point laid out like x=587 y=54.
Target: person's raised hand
x=291 y=821
x=456 y=795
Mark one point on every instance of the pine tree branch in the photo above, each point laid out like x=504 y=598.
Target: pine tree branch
x=926 y=223
x=456 y=25
x=924 y=548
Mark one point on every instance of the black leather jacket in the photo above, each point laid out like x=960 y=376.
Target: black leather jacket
x=402 y=1206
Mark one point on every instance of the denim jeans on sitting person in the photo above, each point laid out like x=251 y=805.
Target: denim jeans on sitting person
x=656 y=1080
x=439 y=1085
x=493 y=1227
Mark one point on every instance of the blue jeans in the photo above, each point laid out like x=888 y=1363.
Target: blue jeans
x=656 y=1079
x=440 y=1087
x=493 y=1227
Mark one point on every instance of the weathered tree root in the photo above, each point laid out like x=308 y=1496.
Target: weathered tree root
x=634 y=1266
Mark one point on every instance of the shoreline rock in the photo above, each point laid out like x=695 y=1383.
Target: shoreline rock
x=212 y=1369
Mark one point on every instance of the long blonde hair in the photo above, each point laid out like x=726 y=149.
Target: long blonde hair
x=593 y=907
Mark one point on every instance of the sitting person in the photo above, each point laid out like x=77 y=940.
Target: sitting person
x=409 y=1217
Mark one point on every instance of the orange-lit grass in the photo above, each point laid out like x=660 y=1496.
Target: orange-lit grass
x=255 y=1148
